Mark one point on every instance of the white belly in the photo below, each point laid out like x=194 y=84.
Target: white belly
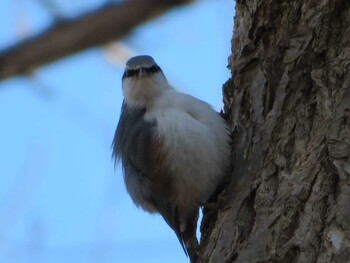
x=197 y=148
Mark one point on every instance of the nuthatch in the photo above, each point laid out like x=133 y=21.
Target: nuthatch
x=174 y=149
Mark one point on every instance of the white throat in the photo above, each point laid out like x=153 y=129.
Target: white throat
x=143 y=92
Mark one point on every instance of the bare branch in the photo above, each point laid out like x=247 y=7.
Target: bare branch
x=101 y=26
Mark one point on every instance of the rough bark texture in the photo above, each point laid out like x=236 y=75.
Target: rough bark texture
x=288 y=103
x=67 y=37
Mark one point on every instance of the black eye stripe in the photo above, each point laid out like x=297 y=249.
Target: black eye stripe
x=153 y=69
x=129 y=73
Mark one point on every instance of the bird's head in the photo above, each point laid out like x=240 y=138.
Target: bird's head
x=143 y=81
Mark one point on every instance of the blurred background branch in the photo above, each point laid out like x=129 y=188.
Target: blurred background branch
x=61 y=198
x=65 y=37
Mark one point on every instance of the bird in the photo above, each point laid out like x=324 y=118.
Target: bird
x=173 y=148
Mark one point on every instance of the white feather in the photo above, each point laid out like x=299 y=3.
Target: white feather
x=142 y=92
x=196 y=141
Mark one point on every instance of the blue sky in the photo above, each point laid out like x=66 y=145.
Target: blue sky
x=60 y=198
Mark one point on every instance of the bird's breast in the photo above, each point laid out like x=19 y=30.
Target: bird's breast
x=190 y=147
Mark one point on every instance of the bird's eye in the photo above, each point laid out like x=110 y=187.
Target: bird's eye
x=131 y=73
x=154 y=69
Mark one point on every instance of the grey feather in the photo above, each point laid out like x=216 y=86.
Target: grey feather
x=129 y=146
x=140 y=61
x=132 y=135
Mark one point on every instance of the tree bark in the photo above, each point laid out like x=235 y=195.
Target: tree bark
x=288 y=104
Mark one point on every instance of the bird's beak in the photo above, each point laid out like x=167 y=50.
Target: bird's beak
x=142 y=73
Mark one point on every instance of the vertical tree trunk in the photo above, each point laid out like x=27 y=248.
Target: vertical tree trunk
x=288 y=103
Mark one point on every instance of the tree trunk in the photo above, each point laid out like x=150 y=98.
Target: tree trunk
x=288 y=104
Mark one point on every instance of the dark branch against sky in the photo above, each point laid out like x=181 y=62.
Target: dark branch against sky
x=101 y=26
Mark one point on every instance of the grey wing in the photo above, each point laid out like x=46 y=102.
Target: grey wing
x=146 y=178
x=129 y=146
